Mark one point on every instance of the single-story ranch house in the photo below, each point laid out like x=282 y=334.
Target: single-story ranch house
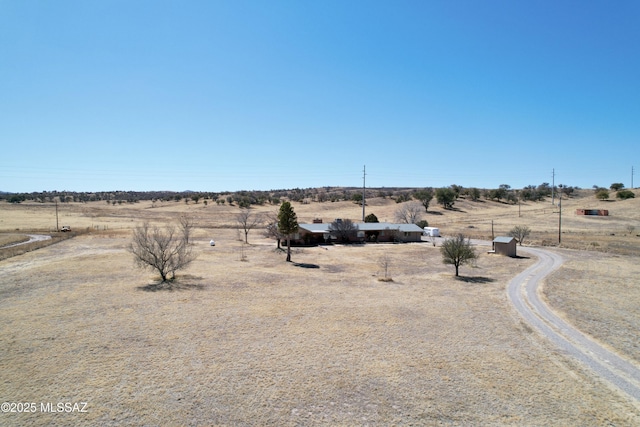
x=318 y=233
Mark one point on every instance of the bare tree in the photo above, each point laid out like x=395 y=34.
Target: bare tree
x=247 y=221
x=457 y=251
x=186 y=224
x=272 y=229
x=409 y=213
x=385 y=262
x=520 y=232
x=345 y=229
x=162 y=249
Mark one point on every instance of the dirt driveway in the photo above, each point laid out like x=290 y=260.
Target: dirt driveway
x=524 y=294
x=32 y=238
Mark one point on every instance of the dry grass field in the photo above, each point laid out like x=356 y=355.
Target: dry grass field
x=245 y=339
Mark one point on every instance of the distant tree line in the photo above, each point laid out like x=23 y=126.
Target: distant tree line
x=444 y=196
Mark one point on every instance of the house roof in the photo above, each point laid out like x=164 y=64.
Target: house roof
x=365 y=226
x=503 y=239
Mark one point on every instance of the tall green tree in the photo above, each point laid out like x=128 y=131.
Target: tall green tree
x=371 y=218
x=287 y=224
x=446 y=197
x=457 y=251
x=424 y=196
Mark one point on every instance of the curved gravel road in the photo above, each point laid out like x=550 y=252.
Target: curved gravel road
x=523 y=293
x=32 y=238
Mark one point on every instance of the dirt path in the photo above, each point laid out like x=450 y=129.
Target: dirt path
x=32 y=238
x=523 y=292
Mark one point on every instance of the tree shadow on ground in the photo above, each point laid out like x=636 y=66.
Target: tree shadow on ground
x=171 y=287
x=475 y=279
x=455 y=209
x=306 y=265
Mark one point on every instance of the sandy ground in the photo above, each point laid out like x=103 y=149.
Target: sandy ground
x=598 y=293
x=263 y=342
x=247 y=339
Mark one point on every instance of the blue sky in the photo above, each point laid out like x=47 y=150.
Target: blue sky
x=257 y=95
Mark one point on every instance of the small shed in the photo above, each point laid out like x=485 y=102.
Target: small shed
x=504 y=245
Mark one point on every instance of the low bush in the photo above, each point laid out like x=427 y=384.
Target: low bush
x=625 y=194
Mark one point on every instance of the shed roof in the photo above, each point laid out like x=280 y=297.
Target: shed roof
x=503 y=239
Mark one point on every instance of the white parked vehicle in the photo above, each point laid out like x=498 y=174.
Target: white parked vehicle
x=432 y=232
x=212 y=243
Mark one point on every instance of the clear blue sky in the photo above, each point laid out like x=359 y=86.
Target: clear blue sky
x=258 y=95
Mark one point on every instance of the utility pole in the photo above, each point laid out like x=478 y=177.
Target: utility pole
x=492 y=236
x=553 y=186
x=57 y=227
x=560 y=216
x=519 y=200
x=632 y=177
x=364 y=175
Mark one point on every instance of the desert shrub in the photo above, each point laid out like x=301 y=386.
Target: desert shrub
x=602 y=194
x=16 y=198
x=544 y=190
x=371 y=218
x=625 y=194
x=401 y=198
x=422 y=223
x=474 y=193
